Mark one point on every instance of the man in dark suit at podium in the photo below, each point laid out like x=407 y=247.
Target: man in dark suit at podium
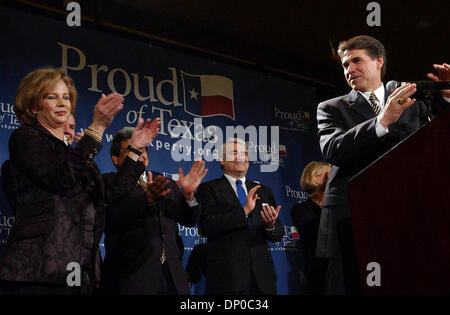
x=355 y=129
x=238 y=217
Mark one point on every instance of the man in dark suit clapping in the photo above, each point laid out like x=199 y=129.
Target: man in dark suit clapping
x=238 y=217
x=143 y=254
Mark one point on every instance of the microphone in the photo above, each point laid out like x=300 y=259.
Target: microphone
x=422 y=86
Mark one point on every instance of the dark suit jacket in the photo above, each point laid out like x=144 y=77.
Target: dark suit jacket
x=135 y=233
x=57 y=194
x=348 y=141
x=306 y=218
x=233 y=248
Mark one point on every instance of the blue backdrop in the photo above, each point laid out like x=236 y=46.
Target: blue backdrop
x=179 y=88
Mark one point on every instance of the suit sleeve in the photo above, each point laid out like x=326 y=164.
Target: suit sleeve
x=119 y=186
x=176 y=207
x=127 y=209
x=218 y=218
x=341 y=145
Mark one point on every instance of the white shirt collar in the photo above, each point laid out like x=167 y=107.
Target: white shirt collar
x=379 y=93
x=232 y=180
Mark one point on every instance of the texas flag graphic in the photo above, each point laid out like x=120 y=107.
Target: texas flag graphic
x=208 y=95
x=294 y=233
x=283 y=150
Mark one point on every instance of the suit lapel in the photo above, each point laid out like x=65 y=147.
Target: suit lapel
x=358 y=104
x=228 y=192
x=249 y=185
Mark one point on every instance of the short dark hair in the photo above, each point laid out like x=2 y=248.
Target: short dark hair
x=121 y=135
x=372 y=45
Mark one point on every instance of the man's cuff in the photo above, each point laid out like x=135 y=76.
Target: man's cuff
x=193 y=203
x=379 y=129
x=447 y=99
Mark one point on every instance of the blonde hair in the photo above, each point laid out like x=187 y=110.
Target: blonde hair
x=33 y=88
x=306 y=181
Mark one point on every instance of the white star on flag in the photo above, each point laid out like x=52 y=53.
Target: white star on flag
x=193 y=93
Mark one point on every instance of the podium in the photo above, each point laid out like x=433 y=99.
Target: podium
x=401 y=215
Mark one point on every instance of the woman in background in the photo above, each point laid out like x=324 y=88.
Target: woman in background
x=306 y=218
